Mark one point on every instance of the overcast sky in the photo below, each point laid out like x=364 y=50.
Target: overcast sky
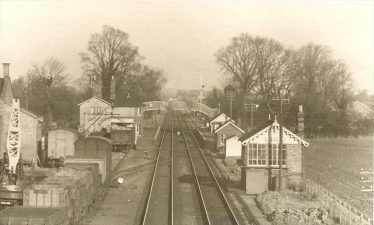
x=181 y=38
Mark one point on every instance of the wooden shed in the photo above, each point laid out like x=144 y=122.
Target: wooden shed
x=233 y=149
x=61 y=143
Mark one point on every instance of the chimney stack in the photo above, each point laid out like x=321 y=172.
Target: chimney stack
x=113 y=89
x=96 y=86
x=300 y=122
x=6 y=69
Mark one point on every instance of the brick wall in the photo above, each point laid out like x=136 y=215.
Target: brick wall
x=294 y=162
x=229 y=130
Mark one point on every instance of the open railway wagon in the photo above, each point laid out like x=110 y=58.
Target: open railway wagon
x=94 y=150
x=123 y=139
x=67 y=193
x=62 y=198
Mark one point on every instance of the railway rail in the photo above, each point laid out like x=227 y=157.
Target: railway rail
x=183 y=188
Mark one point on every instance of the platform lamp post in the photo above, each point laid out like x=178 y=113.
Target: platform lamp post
x=281 y=99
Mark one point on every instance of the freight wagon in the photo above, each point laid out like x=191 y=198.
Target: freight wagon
x=68 y=193
x=123 y=139
x=61 y=143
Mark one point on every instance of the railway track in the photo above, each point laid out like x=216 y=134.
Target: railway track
x=183 y=188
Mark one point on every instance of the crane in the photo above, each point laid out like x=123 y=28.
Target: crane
x=12 y=159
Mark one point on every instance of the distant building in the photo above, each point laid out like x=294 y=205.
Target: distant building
x=226 y=130
x=260 y=157
x=96 y=114
x=154 y=107
x=217 y=121
x=31 y=124
x=362 y=108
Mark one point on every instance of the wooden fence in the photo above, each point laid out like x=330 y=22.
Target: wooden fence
x=339 y=209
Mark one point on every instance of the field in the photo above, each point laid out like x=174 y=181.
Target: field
x=336 y=163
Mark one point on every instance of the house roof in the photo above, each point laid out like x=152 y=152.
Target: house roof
x=363 y=107
x=114 y=103
x=218 y=116
x=95 y=97
x=227 y=123
x=33 y=115
x=251 y=135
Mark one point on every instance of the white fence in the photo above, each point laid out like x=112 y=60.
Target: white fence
x=339 y=209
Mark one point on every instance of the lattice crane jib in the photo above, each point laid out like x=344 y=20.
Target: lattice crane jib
x=13 y=144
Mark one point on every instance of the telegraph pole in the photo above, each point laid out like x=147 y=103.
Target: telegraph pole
x=282 y=101
x=251 y=108
x=280 y=155
x=230 y=95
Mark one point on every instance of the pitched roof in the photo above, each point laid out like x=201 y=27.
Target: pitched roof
x=33 y=115
x=265 y=128
x=98 y=98
x=218 y=116
x=249 y=134
x=225 y=124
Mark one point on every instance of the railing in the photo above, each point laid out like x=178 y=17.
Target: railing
x=339 y=209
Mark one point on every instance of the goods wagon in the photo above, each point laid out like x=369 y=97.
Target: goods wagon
x=61 y=143
x=123 y=139
x=73 y=187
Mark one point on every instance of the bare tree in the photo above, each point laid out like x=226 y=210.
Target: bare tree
x=109 y=54
x=258 y=66
x=239 y=59
x=324 y=86
x=49 y=74
x=274 y=71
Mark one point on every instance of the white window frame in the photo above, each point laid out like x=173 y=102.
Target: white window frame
x=257 y=155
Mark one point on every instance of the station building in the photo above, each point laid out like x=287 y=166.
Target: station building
x=31 y=124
